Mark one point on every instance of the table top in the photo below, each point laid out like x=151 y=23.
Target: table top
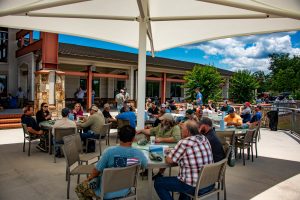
x=154 y=164
x=47 y=124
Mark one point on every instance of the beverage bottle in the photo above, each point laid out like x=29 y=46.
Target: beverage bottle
x=222 y=123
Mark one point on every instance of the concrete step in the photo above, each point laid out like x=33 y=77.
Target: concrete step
x=10 y=125
x=9 y=121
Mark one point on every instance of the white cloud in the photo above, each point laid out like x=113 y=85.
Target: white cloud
x=249 y=52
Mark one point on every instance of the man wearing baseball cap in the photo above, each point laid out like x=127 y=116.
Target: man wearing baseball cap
x=92 y=126
x=246 y=112
x=232 y=118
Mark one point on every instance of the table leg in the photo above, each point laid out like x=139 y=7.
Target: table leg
x=149 y=183
x=50 y=142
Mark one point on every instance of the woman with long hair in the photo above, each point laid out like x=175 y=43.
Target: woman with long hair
x=43 y=114
x=77 y=111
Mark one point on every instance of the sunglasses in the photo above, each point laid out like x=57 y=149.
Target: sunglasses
x=45 y=106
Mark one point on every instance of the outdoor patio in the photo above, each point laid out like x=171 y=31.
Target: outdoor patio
x=275 y=174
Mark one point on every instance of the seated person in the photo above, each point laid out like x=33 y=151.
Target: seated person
x=206 y=129
x=225 y=107
x=77 y=111
x=43 y=114
x=212 y=106
x=148 y=104
x=172 y=105
x=32 y=126
x=166 y=132
x=153 y=110
x=256 y=117
x=190 y=115
x=188 y=154
x=128 y=115
x=162 y=111
x=65 y=122
x=246 y=112
x=108 y=160
x=107 y=114
x=125 y=106
x=92 y=127
x=233 y=119
x=207 y=110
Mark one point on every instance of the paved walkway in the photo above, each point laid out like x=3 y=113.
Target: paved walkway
x=275 y=174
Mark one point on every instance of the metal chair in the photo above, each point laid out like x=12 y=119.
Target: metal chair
x=210 y=174
x=29 y=137
x=58 y=135
x=256 y=137
x=246 y=143
x=104 y=132
x=115 y=179
x=72 y=156
x=84 y=157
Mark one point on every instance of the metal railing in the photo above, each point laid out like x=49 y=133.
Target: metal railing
x=288 y=118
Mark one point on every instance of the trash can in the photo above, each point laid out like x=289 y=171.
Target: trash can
x=273 y=119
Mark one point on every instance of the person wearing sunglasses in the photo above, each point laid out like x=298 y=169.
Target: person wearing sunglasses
x=43 y=114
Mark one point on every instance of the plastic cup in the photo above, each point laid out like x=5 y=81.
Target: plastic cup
x=152 y=139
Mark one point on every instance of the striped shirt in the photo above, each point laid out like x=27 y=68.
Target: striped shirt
x=191 y=154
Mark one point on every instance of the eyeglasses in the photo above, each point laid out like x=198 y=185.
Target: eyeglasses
x=45 y=106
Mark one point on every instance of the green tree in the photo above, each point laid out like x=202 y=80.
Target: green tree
x=285 y=72
x=242 y=86
x=208 y=79
x=262 y=80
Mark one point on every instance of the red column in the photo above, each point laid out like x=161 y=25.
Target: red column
x=49 y=50
x=89 y=87
x=163 y=87
x=30 y=37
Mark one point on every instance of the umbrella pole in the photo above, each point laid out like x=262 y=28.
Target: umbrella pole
x=141 y=75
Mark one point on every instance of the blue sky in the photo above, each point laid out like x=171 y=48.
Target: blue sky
x=247 y=52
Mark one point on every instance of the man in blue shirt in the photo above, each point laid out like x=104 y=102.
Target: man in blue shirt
x=199 y=99
x=128 y=115
x=111 y=158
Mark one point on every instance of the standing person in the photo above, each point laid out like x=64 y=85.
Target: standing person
x=108 y=160
x=199 y=99
x=77 y=111
x=120 y=98
x=20 y=96
x=80 y=95
x=93 y=96
x=43 y=114
x=126 y=94
x=92 y=127
x=191 y=153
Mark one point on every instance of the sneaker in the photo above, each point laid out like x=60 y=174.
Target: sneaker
x=157 y=175
x=41 y=148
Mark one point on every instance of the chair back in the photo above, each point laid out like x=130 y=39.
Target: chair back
x=25 y=130
x=78 y=142
x=226 y=138
x=122 y=123
x=257 y=130
x=114 y=179
x=249 y=136
x=228 y=151
x=70 y=150
x=211 y=174
x=61 y=132
x=105 y=129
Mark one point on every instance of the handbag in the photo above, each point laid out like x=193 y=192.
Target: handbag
x=231 y=158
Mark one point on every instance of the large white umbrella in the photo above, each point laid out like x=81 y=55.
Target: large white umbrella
x=152 y=25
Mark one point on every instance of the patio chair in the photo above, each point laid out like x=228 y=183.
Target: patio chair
x=72 y=156
x=104 y=133
x=115 y=179
x=58 y=135
x=121 y=123
x=256 y=137
x=210 y=174
x=246 y=143
x=84 y=157
x=29 y=137
x=226 y=138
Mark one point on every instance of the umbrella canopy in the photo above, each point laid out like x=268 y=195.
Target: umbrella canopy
x=152 y=25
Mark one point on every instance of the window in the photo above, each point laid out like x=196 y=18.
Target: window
x=3 y=44
x=176 y=90
x=152 y=89
x=3 y=85
x=95 y=87
x=83 y=84
x=120 y=85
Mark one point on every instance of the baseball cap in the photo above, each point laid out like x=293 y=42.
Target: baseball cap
x=65 y=112
x=231 y=110
x=163 y=105
x=189 y=111
x=95 y=108
x=247 y=104
x=167 y=116
x=106 y=105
